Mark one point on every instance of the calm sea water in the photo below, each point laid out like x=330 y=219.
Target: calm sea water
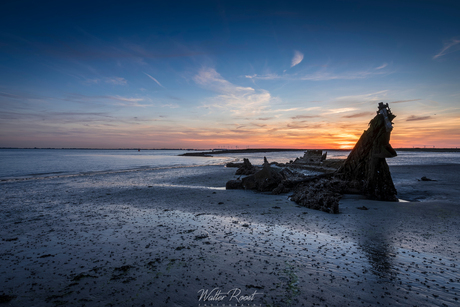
x=20 y=163
x=24 y=163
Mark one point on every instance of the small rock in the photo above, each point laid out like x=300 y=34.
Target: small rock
x=202 y=236
x=10 y=239
x=425 y=179
x=233 y=185
x=6 y=298
x=123 y=268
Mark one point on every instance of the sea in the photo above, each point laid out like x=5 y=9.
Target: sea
x=37 y=163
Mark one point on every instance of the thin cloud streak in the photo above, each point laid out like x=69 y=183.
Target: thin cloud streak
x=371 y=97
x=340 y=110
x=128 y=102
x=358 y=115
x=116 y=81
x=119 y=98
x=264 y=77
x=414 y=118
x=401 y=101
x=304 y=116
x=449 y=47
x=104 y=100
x=326 y=76
x=321 y=75
x=154 y=80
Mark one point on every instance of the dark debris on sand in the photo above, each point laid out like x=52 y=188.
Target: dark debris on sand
x=4 y=298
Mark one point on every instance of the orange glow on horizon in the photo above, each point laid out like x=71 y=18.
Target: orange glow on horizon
x=323 y=133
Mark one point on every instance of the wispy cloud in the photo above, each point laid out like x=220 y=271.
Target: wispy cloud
x=351 y=75
x=107 y=100
x=414 y=118
x=154 y=80
x=298 y=57
x=401 y=101
x=450 y=46
x=92 y=81
x=116 y=80
x=304 y=116
x=287 y=110
x=362 y=114
x=271 y=76
x=321 y=75
x=128 y=102
x=311 y=108
x=134 y=104
x=174 y=97
x=237 y=99
x=55 y=117
x=125 y=99
x=212 y=80
x=362 y=98
x=170 y=105
x=8 y=95
x=382 y=66
x=340 y=110
x=76 y=123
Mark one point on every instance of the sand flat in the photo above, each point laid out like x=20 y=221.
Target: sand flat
x=164 y=237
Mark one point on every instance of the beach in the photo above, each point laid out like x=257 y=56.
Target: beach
x=176 y=237
x=230 y=154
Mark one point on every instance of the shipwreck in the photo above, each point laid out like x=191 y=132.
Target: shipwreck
x=365 y=171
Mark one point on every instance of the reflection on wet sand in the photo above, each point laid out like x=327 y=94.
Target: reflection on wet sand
x=378 y=248
x=381 y=258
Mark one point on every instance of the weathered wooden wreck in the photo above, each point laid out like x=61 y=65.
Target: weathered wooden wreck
x=365 y=171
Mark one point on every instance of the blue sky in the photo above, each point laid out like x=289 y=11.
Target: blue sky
x=206 y=74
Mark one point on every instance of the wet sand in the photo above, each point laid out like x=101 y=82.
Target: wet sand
x=164 y=237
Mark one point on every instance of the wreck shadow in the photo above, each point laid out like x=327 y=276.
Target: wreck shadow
x=379 y=249
x=381 y=256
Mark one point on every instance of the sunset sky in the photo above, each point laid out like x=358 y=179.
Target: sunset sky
x=209 y=74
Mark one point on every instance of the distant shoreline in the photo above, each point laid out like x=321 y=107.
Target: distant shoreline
x=254 y=150
x=201 y=152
